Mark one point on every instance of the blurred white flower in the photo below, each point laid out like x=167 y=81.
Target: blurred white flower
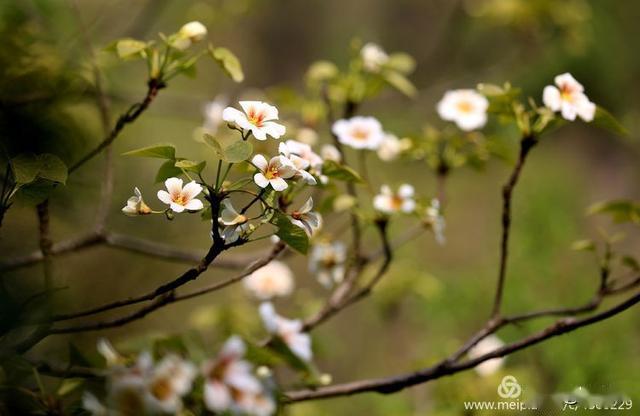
x=230 y=384
x=135 y=205
x=273 y=172
x=485 y=346
x=229 y=215
x=569 y=98
x=269 y=281
x=189 y=33
x=327 y=262
x=257 y=117
x=359 y=132
x=179 y=198
x=168 y=382
x=306 y=219
x=212 y=112
x=373 y=57
x=289 y=331
x=467 y=108
x=300 y=163
x=435 y=220
x=389 y=202
x=111 y=356
x=330 y=152
x=307 y=135
x=391 y=147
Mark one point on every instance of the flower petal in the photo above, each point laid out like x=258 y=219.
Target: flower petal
x=176 y=207
x=278 y=184
x=191 y=189
x=273 y=129
x=551 y=98
x=260 y=162
x=260 y=180
x=173 y=185
x=217 y=396
x=194 y=205
x=165 y=197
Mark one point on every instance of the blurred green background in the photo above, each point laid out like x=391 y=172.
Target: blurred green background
x=433 y=297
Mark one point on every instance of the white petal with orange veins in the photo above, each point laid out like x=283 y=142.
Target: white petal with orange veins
x=260 y=180
x=191 y=190
x=164 y=197
x=568 y=80
x=278 y=184
x=260 y=162
x=176 y=207
x=194 y=205
x=173 y=185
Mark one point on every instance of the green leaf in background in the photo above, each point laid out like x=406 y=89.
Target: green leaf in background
x=401 y=62
x=321 y=71
x=191 y=165
x=280 y=347
x=28 y=167
x=167 y=170
x=337 y=171
x=130 y=48
x=605 y=120
x=620 y=210
x=238 y=151
x=228 y=62
x=294 y=236
x=160 y=151
x=583 y=245
x=400 y=83
x=631 y=263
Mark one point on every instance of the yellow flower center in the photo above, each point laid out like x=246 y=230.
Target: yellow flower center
x=272 y=172
x=359 y=133
x=161 y=389
x=180 y=199
x=464 y=106
x=396 y=202
x=255 y=118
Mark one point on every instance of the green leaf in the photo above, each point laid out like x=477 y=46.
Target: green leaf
x=36 y=192
x=321 y=71
x=212 y=142
x=69 y=385
x=401 y=62
x=228 y=62
x=605 y=120
x=130 y=48
x=583 y=245
x=631 y=263
x=160 y=151
x=167 y=170
x=191 y=165
x=337 y=171
x=280 y=347
x=238 y=151
x=620 y=210
x=28 y=167
x=400 y=83
x=294 y=236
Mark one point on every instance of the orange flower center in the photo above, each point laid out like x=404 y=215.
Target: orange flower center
x=255 y=118
x=566 y=92
x=396 y=202
x=272 y=172
x=161 y=389
x=359 y=133
x=464 y=106
x=180 y=199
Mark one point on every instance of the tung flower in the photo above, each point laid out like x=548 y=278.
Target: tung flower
x=391 y=147
x=389 y=202
x=467 y=108
x=189 y=33
x=257 y=117
x=135 y=205
x=269 y=281
x=359 y=132
x=168 y=382
x=373 y=57
x=485 y=346
x=330 y=152
x=212 y=112
x=289 y=331
x=273 y=172
x=569 y=98
x=301 y=164
x=327 y=262
x=306 y=219
x=179 y=198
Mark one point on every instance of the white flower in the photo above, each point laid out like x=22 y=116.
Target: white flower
x=389 y=202
x=330 y=152
x=111 y=356
x=169 y=381
x=273 y=172
x=306 y=219
x=257 y=117
x=229 y=215
x=305 y=152
x=307 y=135
x=229 y=381
x=189 y=33
x=327 y=262
x=179 y=198
x=390 y=148
x=435 y=220
x=359 y=132
x=289 y=331
x=467 y=108
x=301 y=164
x=212 y=112
x=485 y=346
x=373 y=57
x=271 y=280
x=568 y=98
x=135 y=205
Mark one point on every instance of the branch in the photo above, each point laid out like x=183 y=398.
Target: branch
x=45 y=242
x=396 y=383
x=526 y=144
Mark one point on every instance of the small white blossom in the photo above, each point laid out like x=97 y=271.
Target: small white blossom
x=179 y=198
x=373 y=57
x=269 y=281
x=135 y=205
x=359 y=132
x=327 y=262
x=168 y=382
x=212 y=112
x=258 y=117
x=290 y=331
x=235 y=224
x=467 y=108
x=389 y=202
x=189 y=33
x=485 y=346
x=307 y=135
x=330 y=152
x=273 y=172
x=435 y=220
x=306 y=219
x=569 y=98
x=391 y=147
x=301 y=164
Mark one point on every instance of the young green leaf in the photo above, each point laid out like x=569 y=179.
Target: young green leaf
x=605 y=120
x=400 y=83
x=294 y=236
x=28 y=167
x=167 y=170
x=238 y=151
x=52 y=168
x=130 y=48
x=160 y=151
x=401 y=62
x=343 y=173
x=620 y=210
x=228 y=62
x=190 y=165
